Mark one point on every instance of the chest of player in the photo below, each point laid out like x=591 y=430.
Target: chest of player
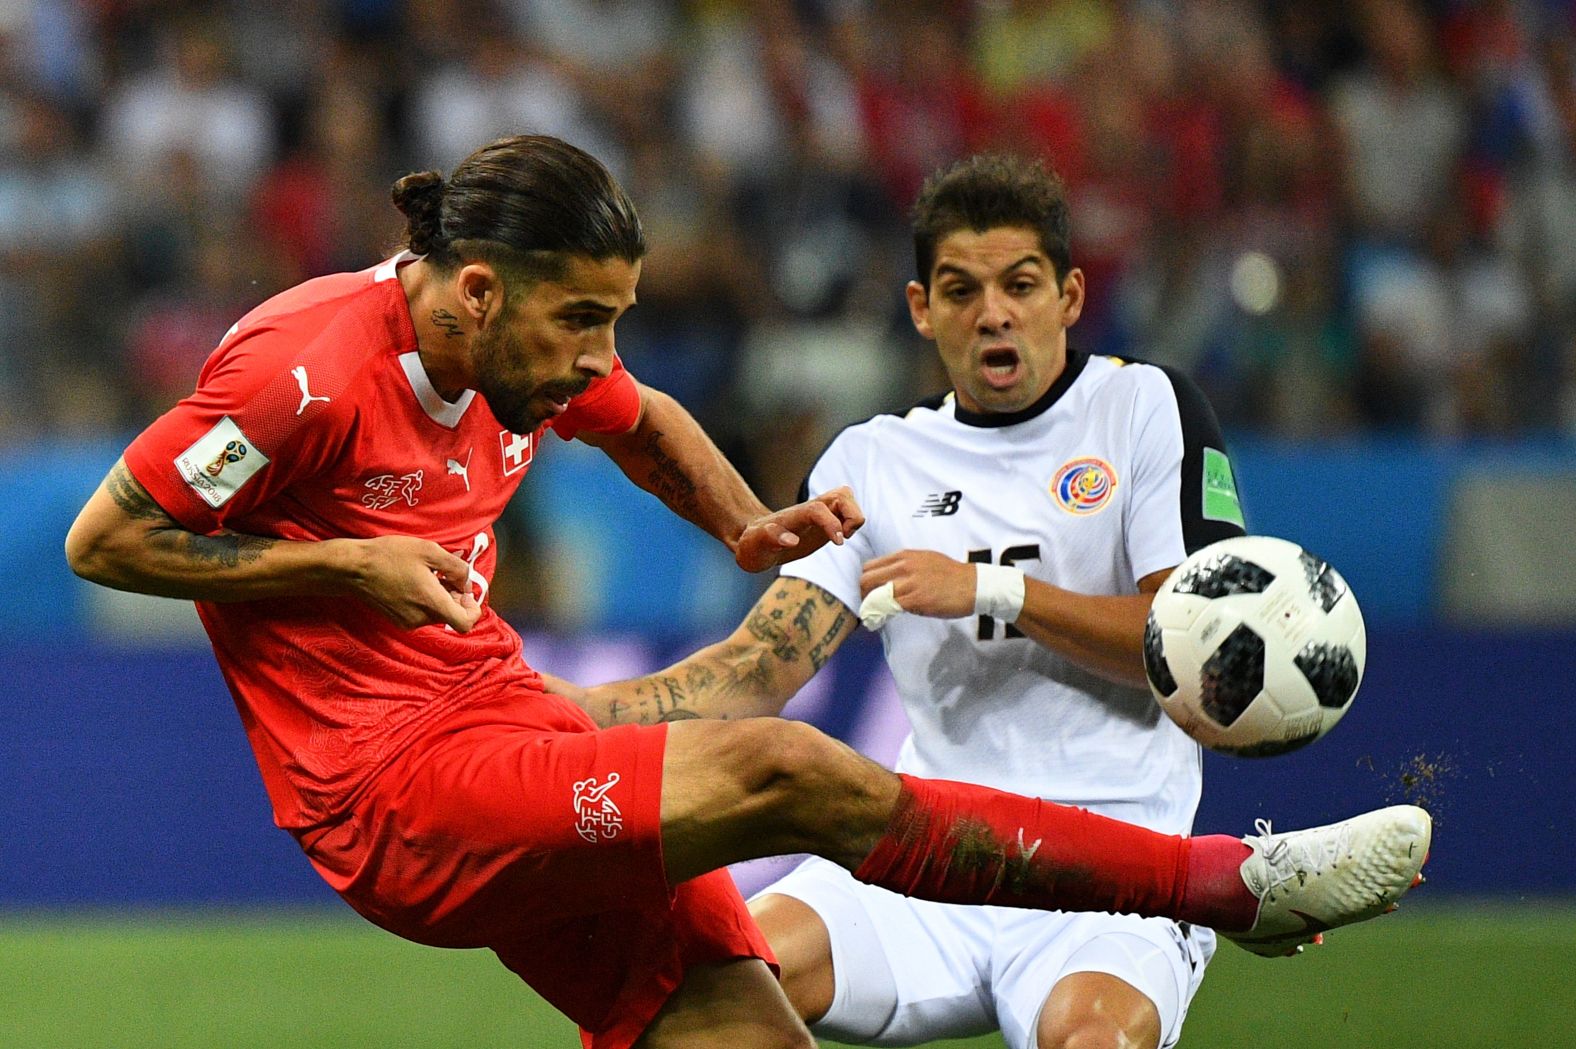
x=401 y=472
x=1055 y=507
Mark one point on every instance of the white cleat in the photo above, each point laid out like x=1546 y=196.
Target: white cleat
x=1308 y=881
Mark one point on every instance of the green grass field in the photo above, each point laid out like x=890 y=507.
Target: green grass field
x=1434 y=976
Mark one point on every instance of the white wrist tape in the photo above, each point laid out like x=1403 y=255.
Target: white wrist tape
x=998 y=591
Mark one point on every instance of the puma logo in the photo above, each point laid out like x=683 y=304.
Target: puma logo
x=463 y=469
x=299 y=371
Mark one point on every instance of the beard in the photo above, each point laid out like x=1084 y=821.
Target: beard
x=516 y=401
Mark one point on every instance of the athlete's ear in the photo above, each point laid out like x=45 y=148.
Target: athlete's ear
x=1072 y=297
x=481 y=293
x=919 y=308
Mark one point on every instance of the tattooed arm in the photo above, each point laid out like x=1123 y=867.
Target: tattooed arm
x=790 y=634
x=670 y=456
x=125 y=540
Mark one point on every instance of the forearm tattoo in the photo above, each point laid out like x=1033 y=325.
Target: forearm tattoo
x=669 y=482
x=227 y=549
x=743 y=678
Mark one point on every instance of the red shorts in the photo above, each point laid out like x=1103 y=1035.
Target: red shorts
x=517 y=825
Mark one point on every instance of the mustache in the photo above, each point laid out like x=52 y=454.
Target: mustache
x=565 y=389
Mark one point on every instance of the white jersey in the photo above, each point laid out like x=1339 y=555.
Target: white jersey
x=1117 y=472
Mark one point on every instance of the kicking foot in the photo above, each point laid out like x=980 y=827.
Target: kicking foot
x=1308 y=881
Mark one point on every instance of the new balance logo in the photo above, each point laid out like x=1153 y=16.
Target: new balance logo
x=939 y=504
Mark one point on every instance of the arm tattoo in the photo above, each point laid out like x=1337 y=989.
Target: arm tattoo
x=764 y=627
x=133 y=499
x=447 y=322
x=227 y=549
x=822 y=650
x=668 y=480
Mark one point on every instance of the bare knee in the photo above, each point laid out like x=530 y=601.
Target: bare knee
x=766 y=786
x=1097 y=1011
x=821 y=794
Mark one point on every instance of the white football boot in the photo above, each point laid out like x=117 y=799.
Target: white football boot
x=1308 y=881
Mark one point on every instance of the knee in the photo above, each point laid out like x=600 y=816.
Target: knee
x=807 y=781
x=1096 y=1035
x=1096 y=1020
x=786 y=757
x=1100 y=1033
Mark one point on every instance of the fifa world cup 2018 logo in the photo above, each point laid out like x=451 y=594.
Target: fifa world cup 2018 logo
x=234 y=452
x=597 y=817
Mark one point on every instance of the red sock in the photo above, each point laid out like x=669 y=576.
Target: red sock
x=962 y=843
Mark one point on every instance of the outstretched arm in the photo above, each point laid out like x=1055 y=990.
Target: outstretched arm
x=1103 y=633
x=790 y=634
x=669 y=455
x=125 y=540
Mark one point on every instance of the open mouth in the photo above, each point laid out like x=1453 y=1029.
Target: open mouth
x=1000 y=365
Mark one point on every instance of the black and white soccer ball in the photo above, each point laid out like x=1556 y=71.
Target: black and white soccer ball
x=1254 y=646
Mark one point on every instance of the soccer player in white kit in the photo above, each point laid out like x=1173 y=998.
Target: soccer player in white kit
x=1016 y=531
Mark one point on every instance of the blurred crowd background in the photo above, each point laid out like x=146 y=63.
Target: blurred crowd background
x=1342 y=218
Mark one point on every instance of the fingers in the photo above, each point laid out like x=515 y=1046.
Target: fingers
x=812 y=516
x=845 y=507
x=453 y=571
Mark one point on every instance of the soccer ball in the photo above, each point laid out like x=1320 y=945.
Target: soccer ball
x=1254 y=646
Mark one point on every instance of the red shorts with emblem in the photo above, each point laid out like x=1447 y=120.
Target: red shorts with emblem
x=519 y=826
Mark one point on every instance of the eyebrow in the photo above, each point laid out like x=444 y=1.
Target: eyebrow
x=948 y=269
x=591 y=305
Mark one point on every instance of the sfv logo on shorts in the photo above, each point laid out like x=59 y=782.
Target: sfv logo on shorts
x=596 y=815
x=939 y=504
x=219 y=462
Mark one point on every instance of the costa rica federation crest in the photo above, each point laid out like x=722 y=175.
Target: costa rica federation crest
x=1084 y=486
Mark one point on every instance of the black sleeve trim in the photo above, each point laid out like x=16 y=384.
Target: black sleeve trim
x=1200 y=430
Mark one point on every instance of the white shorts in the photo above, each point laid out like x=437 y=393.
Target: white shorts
x=911 y=971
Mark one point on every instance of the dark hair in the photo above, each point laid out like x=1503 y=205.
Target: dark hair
x=988 y=190
x=524 y=204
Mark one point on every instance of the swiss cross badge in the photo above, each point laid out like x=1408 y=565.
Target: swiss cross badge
x=517 y=451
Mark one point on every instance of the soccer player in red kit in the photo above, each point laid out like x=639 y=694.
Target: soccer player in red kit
x=327 y=496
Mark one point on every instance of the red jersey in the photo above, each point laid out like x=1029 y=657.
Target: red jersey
x=314 y=419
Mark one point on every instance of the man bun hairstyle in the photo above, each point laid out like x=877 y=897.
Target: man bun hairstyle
x=419 y=196
x=988 y=190
x=524 y=204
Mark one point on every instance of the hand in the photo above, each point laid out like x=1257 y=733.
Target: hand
x=923 y=582
x=798 y=530
x=414 y=582
x=557 y=686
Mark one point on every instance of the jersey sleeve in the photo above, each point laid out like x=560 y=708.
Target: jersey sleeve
x=836 y=569
x=1184 y=495
x=244 y=435
x=611 y=404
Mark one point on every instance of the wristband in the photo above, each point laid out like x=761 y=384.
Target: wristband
x=998 y=591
